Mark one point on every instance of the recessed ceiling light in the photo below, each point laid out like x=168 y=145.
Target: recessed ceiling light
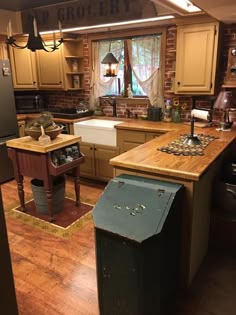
x=185 y=5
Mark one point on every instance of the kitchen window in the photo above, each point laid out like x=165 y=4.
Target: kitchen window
x=139 y=65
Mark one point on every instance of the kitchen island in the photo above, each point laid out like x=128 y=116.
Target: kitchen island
x=32 y=159
x=196 y=173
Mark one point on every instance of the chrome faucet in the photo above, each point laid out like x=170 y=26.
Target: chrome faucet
x=113 y=104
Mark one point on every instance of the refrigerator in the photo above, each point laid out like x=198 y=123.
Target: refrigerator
x=8 y=120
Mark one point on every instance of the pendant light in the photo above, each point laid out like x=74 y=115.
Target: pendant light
x=110 y=63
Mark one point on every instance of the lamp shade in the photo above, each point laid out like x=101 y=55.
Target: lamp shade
x=109 y=59
x=225 y=100
x=110 y=62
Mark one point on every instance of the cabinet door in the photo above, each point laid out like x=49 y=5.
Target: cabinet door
x=87 y=168
x=3 y=51
x=50 y=72
x=196 y=57
x=103 y=154
x=128 y=140
x=23 y=68
x=151 y=135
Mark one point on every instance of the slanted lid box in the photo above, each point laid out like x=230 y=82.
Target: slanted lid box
x=135 y=207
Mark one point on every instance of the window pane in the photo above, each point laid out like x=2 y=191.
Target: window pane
x=145 y=60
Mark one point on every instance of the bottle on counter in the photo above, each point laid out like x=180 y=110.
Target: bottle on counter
x=129 y=91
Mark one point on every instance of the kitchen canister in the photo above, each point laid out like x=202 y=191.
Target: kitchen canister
x=76 y=81
x=75 y=66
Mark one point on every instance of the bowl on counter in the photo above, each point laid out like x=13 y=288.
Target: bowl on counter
x=35 y=134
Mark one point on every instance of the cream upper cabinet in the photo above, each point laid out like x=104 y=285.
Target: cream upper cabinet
x=196 y=58
x=23 y=66
x=62 y=69
x=50 y=69
x=36 y=70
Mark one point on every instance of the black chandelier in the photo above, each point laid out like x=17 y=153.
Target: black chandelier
x=35 y=41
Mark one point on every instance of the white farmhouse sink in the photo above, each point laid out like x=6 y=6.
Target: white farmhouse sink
x=99 y=131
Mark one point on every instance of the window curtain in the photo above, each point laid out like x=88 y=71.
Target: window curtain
x=100 y=85
x=145 y=59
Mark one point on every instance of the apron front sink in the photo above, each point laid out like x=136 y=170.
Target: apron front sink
x=99 y=131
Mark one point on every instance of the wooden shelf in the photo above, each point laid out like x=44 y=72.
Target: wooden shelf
x=171 y=51
x=74 y=57
x=75 y=89
x=72 y=73
x=73 y=40
x=229 y=86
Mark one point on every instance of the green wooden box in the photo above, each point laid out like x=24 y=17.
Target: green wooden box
x=137 y=228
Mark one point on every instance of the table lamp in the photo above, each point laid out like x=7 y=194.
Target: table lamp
x=225 y=102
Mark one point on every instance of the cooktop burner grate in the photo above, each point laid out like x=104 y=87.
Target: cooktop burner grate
x=69 y=113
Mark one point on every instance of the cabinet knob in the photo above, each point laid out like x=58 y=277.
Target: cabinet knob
x=91 y=148
x=178 y=83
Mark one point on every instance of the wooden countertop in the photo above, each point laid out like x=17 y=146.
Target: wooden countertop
x=29 y=144
x=145 y=125
x=147 y=158
x=58 y=120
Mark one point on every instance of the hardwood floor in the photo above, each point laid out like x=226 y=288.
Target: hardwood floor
x=52 y=276
x=58 y=277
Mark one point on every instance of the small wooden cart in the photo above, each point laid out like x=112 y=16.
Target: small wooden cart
x=34 y=160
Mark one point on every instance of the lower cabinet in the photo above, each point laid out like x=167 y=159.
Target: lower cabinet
x=96 y=163
x=129 y=139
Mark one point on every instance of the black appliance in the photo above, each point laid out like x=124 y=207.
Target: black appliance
x=29 y=103
x=70 y=113
x=8 y=120
x=154 y=113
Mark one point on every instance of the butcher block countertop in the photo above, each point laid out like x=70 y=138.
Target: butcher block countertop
x=31 y=116
x=29 y=144
x=148 y=158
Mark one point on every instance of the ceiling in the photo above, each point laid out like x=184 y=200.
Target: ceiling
x=223 y=10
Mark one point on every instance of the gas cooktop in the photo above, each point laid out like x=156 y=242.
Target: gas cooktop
x=70 y=113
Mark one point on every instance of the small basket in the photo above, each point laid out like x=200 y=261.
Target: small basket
x=35 y=134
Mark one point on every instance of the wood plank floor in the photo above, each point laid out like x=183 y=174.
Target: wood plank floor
x=53 y=276
x=58 y=277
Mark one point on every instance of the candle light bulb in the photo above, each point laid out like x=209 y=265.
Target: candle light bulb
x=9 y=29
x=60 y=29
x=35 y=28
x=54 y=39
